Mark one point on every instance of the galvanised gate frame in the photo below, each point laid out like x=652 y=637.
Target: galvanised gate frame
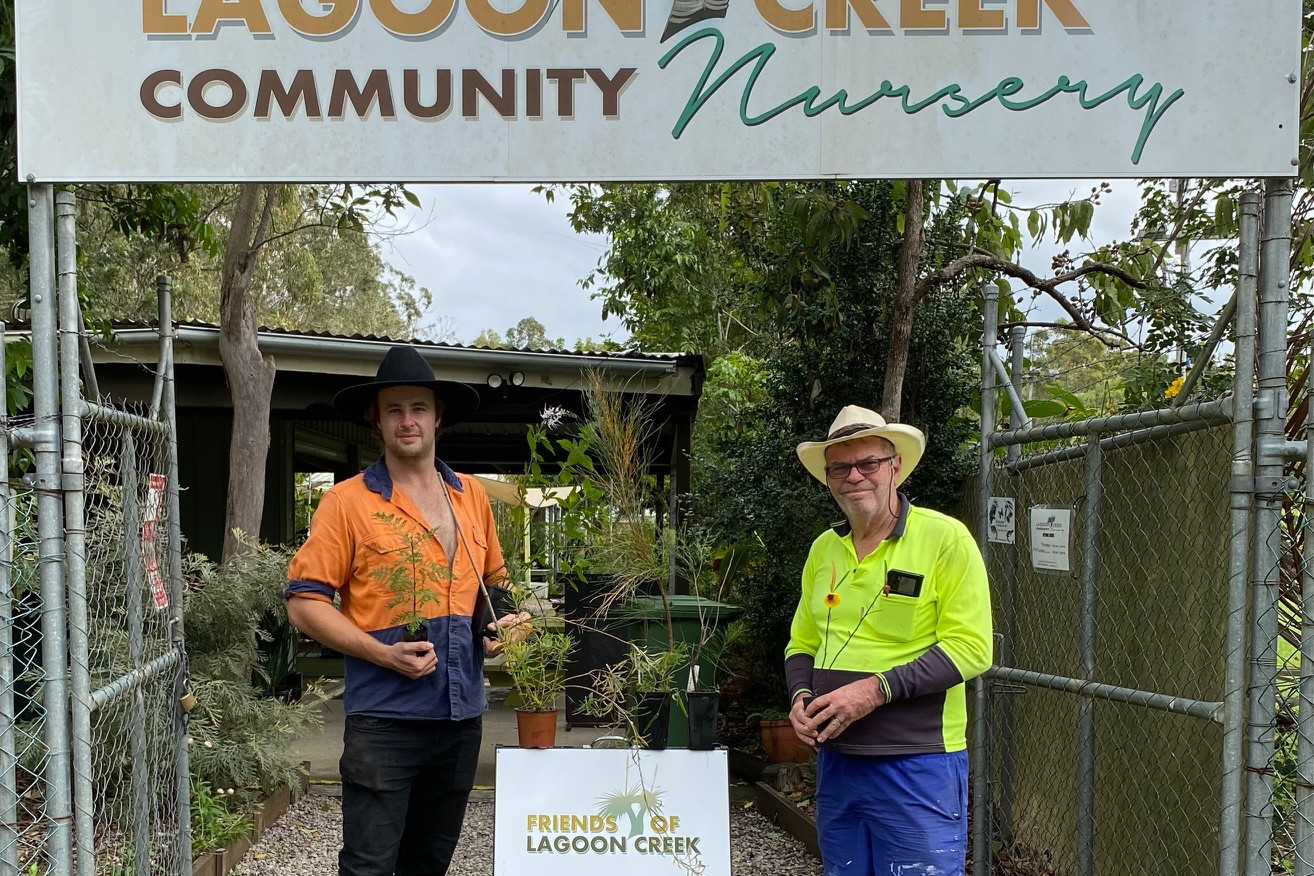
x=106 y=737
x=1251 y=834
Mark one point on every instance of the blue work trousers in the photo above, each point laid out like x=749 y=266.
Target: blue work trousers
x=892 y=816
x=405 y=785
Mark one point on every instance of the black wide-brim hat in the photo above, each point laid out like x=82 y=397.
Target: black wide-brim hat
x=404 y=366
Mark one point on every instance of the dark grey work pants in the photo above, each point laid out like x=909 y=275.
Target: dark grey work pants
x=405 y=785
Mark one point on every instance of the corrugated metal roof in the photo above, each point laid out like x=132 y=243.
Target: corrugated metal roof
x=637 y=355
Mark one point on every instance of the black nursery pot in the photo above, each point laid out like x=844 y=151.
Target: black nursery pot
x=703 y=708
x=652 y=714
x=807 y=702
x=421 y=633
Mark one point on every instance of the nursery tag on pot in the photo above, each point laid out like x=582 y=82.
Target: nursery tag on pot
x=580 y=812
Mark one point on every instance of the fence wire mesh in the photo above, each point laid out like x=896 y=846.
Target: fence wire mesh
x=1291 y=769
x=1139 y=603
x=134 y=729
x=23 y=822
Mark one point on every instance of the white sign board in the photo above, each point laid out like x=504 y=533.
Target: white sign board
x=1002 y=527
x=562 y=90
x=599 y=812
x=1051 y=530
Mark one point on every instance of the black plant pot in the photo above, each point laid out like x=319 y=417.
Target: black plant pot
x=703 y=708
x=421 y=633
x=289 y=690
x=652 y=716
x=807 y=701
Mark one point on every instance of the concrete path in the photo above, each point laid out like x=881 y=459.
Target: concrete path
x=323 y=746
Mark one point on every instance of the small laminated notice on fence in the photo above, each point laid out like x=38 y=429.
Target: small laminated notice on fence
x=154 y=497
x=1050 y=532
x=157 y=589
x=1003 y=520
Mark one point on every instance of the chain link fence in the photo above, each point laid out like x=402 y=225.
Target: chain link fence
x=22 y=714
x=133 y=732
x=1111 y=580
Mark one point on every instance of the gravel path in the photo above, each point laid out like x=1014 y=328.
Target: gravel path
x=305 y=842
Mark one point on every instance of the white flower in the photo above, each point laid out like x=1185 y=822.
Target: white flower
x=209 y=744
x=553 y=415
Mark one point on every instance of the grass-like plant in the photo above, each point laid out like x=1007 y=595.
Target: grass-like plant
x=537 y=668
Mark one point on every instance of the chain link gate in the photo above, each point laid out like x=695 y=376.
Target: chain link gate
x=1123 y=772
x=1141 y=716
x=93 y=755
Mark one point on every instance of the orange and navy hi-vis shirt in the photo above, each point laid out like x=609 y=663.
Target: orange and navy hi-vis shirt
x=348 y=541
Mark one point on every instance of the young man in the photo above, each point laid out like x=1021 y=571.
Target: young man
x=894 y=619
x=413 y=708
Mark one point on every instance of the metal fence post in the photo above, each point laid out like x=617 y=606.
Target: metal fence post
x=50 y=525
x=1274 y=276
x=169 y=413
x=1241 y=498
x=1008 y=621
x=1090 y=603
x=75 y=545
x=981 y=829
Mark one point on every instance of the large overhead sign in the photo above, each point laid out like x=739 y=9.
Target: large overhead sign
x=561 y=90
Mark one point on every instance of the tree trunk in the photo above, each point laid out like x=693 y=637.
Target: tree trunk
x=905 y=303
x=250 y=375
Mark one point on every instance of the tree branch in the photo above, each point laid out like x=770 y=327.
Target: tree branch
x=979 y=258
x=1096 y=332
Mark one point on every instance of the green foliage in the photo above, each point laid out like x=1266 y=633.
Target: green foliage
x=527 y=334
x=614 y=690
x=18 y=375
x=239 y=739
x=214 y=825
x=537 y=667
x=307 y=490
x=411 y=577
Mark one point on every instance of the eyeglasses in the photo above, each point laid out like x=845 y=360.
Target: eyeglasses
x=839 y=471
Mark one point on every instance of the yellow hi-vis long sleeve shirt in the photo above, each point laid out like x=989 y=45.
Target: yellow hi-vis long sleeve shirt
x=926 y=646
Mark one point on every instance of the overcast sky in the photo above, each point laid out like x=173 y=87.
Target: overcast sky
x=494 y=254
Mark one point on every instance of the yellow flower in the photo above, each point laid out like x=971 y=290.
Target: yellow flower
x=832 y=599
x=1174 y=388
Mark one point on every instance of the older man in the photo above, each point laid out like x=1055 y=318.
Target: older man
x=894 y=618
x=414 y=684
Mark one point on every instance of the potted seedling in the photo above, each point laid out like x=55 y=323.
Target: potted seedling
x=636 y=693
x=411 y=577
x=536 y=665
x=778 y=738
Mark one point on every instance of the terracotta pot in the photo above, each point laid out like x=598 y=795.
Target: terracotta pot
x=536 y=729
x=780 y=743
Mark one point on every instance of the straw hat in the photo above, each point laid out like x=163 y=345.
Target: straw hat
x=855 y=422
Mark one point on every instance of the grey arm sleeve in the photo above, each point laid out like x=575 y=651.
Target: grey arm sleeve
x=798 y=673
x=930 y=673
